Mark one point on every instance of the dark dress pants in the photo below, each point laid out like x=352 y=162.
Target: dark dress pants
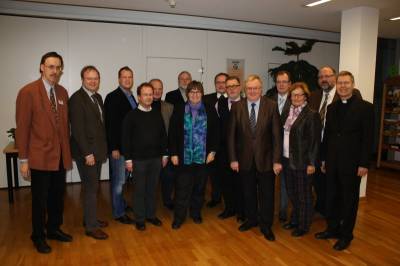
x=258 y=189
x=146 y=173
x=167 y=183
x=190 y=187
x=48 y=189
x=320 y=187
x=343 y=192
x=90 y=177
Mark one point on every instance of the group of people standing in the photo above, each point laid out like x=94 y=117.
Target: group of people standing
x=317 y=140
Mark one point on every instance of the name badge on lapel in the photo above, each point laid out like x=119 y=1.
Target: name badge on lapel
x=60 y=102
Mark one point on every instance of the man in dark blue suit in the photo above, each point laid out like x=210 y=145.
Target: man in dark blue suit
x=117 y=104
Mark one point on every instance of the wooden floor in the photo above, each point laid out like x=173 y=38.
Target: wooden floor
x=215 y=242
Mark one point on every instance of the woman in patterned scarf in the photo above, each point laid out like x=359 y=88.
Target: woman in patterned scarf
x=301 y=139
x=193 y=142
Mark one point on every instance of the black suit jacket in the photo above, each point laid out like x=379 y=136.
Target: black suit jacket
x=176 y=131
x=175 y=97
x=315 y=99
x=210 y=99
x=304 y=139
x=266 y=148
x=116 y=107
x=347 y=147
x=286 y=107
x=88 y=134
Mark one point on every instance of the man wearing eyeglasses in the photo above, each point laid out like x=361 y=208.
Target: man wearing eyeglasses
x=283 y=83
x=42 y=140
x=215 y=174
x=231 y=188
x=319 y=101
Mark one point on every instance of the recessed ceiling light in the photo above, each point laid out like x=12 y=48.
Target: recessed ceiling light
x=396 y=18
x=317 y=3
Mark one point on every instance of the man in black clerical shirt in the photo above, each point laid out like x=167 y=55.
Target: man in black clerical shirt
x=345 y=153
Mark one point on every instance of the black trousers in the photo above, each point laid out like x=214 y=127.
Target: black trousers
x=320 y=186
x=232 y=189
x=167 y=178
x=146 y=173
x=48 y=189
x=215 y=178
x=90 y=177
x=190 y=185
x=258 y=189
x=343 y=190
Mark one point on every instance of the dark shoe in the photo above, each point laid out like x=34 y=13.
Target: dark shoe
x=140 y=226
x=176 y=225
x=169 y=206
x=100 y=223
x=59 y=235
x=268 y=234
x=41 y=246
x=289 y=226
x=97 y=234
x=326 y=235
x=125 y=219
x=247 y=226
x=342 y=244
x=213 y=203
x=299 y=232
x=128 y=208
x=197 y=220
x=226 y=214
x=154 y=221
x=240 y=219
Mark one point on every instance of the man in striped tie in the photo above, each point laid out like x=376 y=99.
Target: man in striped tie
x=254 y=150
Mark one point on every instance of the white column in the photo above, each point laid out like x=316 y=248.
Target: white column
x=358 y=41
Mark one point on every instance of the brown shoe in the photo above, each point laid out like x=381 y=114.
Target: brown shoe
x=97 y=234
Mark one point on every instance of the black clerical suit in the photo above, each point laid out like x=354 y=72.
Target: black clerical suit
x=347 y=142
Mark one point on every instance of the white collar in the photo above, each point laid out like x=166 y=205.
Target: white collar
x=142 y=108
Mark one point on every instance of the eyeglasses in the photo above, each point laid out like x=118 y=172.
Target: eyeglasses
x=53 y=67
x=253 y=88
x=340 y=83
x=232 y=86
x=297 y=95
x=325 y=76
x=194 y=92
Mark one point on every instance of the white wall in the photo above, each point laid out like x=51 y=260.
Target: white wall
x=110 y=46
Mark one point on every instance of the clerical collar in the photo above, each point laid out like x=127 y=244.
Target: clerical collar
x=348 y=100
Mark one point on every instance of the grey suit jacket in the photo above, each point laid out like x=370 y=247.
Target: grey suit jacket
x=88 y=134
x=166 y=112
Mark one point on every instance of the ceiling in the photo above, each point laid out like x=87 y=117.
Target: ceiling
x=325 y=17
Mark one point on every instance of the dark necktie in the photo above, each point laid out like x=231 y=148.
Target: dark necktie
x=253 y=118
x=322 y=112
x=96 y=102
x=53 y=104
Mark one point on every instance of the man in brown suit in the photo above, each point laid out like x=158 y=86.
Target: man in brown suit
x=42 y=139
x=254 y=150
x=89 y=145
